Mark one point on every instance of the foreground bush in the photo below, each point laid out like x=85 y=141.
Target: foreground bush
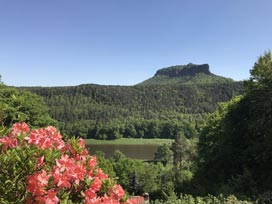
x=37 y=167
x=188 y=199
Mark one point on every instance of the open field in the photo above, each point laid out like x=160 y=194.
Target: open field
x=129 y=141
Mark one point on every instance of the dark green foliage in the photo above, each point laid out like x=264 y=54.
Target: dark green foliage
x=184 y=155
x=209 y=199
x=19 y=105
x=105 y=164
x=164 y=155
x=184 y=150
x=235 y=149
x=138 y=177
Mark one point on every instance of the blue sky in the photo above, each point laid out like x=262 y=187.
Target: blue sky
x=123 y=42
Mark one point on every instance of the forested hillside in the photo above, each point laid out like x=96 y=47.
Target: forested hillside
x=146 y=110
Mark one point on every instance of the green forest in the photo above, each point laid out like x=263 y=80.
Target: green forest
x=146 y=110
x=221 y=129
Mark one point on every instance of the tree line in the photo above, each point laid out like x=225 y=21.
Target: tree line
x=151 y=111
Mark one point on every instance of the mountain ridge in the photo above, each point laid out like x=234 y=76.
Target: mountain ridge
x=172 y=75
x=185 y=74
x=184 y=70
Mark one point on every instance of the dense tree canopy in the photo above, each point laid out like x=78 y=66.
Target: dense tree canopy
x=261 y=74
x=109 y=112
x=18 y=105
x=164 y=155
x=235 y=149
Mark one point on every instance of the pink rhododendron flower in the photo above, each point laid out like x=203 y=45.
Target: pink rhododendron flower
x=92 y=162
x=90 y=194
x=65 y=162
x=19 y=128
x=131 y=201
x=94 y=200
x=78 y=173
x=33 y=137
x=96 y=185
x=8 y=142
x=60 y=170
x=117 y=192
x=109 y=200
x=51 y=197
x=100 y=174
x=46 y=138
x=37 y=182
x=81 y=143
x=61 y=180
x=40 y=162
x=82 y=156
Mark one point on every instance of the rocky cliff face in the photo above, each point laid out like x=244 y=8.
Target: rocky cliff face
x=186 y=74
x=184 y=70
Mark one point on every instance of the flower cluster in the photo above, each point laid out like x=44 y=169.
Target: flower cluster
x=62 y=173
x=11 y=141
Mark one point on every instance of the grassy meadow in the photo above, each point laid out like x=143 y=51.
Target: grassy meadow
x=129 y=141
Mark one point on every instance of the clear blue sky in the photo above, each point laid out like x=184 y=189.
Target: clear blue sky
x=71 y=42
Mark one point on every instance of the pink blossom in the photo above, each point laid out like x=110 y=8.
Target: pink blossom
x=51 y=197
x=96 y=185
x=81 y=143
x=19 y=128
x=40 y=161
x=92 y=162
x=37 y=182
x=100 y=174
x=68 y=170
x=117 y=192
x=8 y=142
